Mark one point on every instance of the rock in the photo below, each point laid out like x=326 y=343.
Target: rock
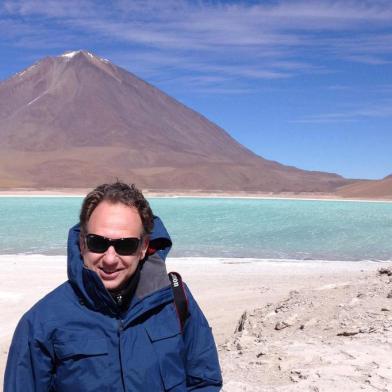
x=385 y=309
x=348 y=333
x=281 y=325
x=389 y=294
x=385 y=271
x=347 y=355
x=241 y=322
x=297 y=375
x=281 y=308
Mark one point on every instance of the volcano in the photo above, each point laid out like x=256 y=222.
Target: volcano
x=78 y=120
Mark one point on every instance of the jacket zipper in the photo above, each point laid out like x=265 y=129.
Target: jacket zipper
x=119 y=333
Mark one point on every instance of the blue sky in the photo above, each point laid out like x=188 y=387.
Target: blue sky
x=305 y=83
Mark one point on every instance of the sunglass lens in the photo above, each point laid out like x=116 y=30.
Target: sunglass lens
x=126 y=246
x=96 y=243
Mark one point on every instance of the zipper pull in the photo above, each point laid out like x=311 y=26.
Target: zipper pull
x=119 y=300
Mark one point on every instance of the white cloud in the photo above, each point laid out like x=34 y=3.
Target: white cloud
x=238 y=40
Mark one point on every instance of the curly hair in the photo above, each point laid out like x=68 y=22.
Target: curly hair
x=118 y=192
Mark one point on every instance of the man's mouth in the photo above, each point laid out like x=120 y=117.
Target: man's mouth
x=107 y=273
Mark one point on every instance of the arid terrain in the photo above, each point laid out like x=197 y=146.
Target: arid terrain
x=280 y=326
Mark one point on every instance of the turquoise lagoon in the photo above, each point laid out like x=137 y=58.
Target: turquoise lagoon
x=220 y=227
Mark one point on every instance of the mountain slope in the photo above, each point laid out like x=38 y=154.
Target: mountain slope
x=76 y=120
x=379 y=189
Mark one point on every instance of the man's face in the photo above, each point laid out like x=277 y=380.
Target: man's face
x=114 y=221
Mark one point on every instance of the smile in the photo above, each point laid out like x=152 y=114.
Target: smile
x=109 y=274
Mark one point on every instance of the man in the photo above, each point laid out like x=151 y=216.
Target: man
x=113 y=326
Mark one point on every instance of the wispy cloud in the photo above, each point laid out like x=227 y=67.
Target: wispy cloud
x=368 y=59
x=382 y=111
x=252 y=41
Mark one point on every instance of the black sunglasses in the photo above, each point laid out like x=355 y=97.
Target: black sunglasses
x=123 y=246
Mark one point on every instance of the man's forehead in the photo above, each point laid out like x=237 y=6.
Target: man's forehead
x=109 y=213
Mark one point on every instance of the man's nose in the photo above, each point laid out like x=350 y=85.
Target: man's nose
x=110 y=256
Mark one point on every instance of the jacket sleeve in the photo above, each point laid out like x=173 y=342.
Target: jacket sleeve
x=202 y=364
x=29 y=363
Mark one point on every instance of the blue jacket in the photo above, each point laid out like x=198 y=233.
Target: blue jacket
x=76 y=339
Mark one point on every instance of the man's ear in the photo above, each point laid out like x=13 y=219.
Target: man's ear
x=143 y=250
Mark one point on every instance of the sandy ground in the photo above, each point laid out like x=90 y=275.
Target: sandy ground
x=279 y=326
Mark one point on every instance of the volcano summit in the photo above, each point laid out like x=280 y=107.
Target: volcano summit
x=77 y=120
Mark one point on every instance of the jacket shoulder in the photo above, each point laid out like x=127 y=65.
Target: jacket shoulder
x=52 y=304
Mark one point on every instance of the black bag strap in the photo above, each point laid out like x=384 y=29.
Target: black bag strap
x=180 y=298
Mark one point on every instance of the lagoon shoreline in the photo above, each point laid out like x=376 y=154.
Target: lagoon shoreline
x=77 y=192
x=290 y=315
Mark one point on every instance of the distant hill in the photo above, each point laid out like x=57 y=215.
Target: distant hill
x=378 y=189
x=77 y=120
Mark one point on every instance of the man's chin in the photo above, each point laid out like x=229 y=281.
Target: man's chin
x=112 y=281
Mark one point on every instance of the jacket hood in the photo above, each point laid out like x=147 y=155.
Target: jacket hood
x=89 y=286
